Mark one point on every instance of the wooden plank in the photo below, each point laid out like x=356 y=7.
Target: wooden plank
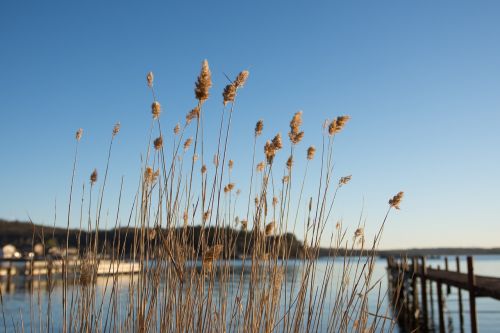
x=485 y=286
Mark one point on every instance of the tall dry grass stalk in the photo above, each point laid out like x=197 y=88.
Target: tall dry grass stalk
x=198 y=274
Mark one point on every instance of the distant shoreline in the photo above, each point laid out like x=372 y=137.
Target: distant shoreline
x=21 y=234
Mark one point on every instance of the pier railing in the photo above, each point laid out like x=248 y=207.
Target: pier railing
x=411 y=283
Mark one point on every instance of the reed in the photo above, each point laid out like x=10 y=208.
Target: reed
x=180 y=233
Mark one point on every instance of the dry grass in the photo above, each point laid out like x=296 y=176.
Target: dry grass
x=172 y=292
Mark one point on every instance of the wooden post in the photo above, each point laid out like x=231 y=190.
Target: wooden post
x=448 y=288
x=472 y=294
x=423 y=282
x=414 y=308
x=442 y=328
x=431 y=294
x=460 y=307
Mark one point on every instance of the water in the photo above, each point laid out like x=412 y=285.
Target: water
x=25 y=308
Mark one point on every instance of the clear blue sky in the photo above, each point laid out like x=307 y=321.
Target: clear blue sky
x=421 y=80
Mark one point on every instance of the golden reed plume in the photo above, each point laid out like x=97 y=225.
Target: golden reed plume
x=269 y=228
x=344 y=180
x=289 y=162
x=116 y=128
x=79 y=134
x=337 y=124
x=259 y=127
x=150 y=176
x=93 y=177
x=229 y=187
x=193 y=114
x=158 y=143
x=295 y=134
x=187 y=143
x=229 y=93
x=240 y=80
x=396 y=200
x=156 y=109
x=310 y=152
x=204 y=82
x=149 y=79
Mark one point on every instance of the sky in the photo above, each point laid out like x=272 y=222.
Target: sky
x=420 y=79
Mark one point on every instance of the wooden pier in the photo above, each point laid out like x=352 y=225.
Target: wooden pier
x=26 y=268
x=411 y=283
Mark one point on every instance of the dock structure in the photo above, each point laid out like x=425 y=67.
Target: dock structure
x=10 y=268
x=408 y=277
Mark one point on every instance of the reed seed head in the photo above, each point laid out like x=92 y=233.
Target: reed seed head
x=261 y=166
x=295 y=134
x=149 y=79
x=213 y=253
x=396 y=200
x=269 y=151
x=275 y=200
x=344 y=180
x=206 y=215
x=185 y=218
x=359 y=232
x=259 y=127
x=240 y=80
x=277 y=142
x=187 y=143
x=150 y=176
x=216 y=160
x=158 y=143
x=193 y=114
x=177 y=128
x=229 y=93
x=269 y=228
x=285 y=179
x=203 y=168
x=230 y=164
x=204 y=82
x=93 y=177
x=337 y=124
x=229 y=187
x=271 y=147
x=310 y=152
x=79 y=134
x=244 y=224
x=289 y=162
x=156 y=109
x=116 y=129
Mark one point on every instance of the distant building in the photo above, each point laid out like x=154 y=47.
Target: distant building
x=38 y=249
x=9 y=251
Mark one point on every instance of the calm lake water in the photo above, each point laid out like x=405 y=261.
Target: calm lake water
x=19 y=315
